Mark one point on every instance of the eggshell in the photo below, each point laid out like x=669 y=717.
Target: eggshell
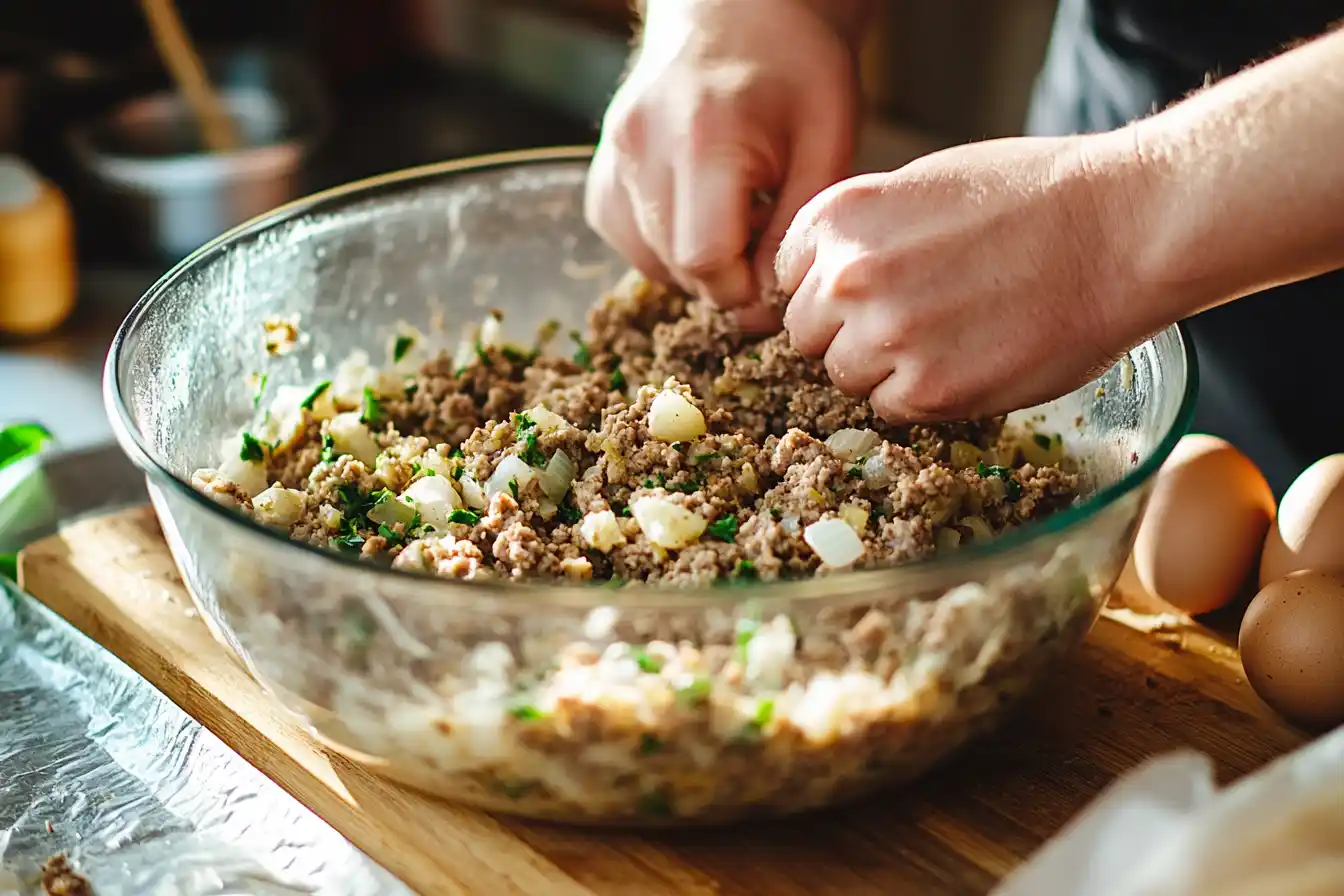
x=1309 y=530
x=1292 y=647
x=1205 y=525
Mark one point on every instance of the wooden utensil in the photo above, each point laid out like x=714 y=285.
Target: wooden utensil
x=174 y=44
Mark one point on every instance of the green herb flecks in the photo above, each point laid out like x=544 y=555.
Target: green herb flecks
x=708 y=455
x=464 y=517
x=689 y=487
x=647 y=663
x=513 y=488
x=517 y=355
x=328 y=449
x=313 y=396
x=456 y=452
x=482 y=355
x=261 y=379
x=618 y=381
x=401 y=346
x=765 y=712
x=776 y=513
x=649 y=744
x=746 y=631
x=252 y=450
x=854 y=472
x=753 y=356
x=531 y=453
x=568 y=515
x=370 y=411
x=724 y=529
x=1012 y=488
x=582 y=355
x=527 y=713
x=746 y=570
x=695 y=693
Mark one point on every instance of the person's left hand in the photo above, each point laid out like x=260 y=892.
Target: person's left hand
x=974 y=281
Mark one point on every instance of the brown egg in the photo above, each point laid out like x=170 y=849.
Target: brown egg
x=1204 y=526
x=1292 y=647
x=1309 y=531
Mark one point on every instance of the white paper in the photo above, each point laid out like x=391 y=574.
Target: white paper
x=1165 y=829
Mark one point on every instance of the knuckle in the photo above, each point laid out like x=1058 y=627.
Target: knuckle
x=853 y=278
x=627 y=132
x=932 y=393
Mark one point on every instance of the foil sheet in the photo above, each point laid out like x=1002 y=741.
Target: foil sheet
x=97 y=764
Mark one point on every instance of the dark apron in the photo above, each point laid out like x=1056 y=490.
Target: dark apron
x=1270 y=363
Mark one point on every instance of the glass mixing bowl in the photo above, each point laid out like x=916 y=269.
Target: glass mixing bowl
x=433 y=682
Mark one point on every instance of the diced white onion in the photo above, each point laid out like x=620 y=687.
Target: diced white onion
x=389 y=513
x=835 y=542
x=546 y=419
x=492 y=331
x=354 y=375
x=748 y=480
x=672 y=418
x=278 y=506
x=855 y=516
x=547 y=509
x=464 y=354
x=666 y=524
x=329 y=517
x=472 y=493
x=601 y=530
x=558 y=476
x=851 y=444
x=964 y=455
x=434 y=462
x=250 y=476
x=980 y=530
x=789 y=523
x=350 y=436
x=435 y=499
x=875 y=472
x=510 y=469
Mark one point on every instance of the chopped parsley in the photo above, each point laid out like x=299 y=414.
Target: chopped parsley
x=621 y=510
x=411 y=388
x=513 y=488
x=261 y=379
x=531 y=454
x=393 y=539
x=456 y=452
x=482 y=355
x=854 y=472
x=724 y=529
x=646 y=663
x=401 y=347
x=416 y=468
x=527 y=713
x=648 y=744
x=328 y=449
x=746 y=630
x=371 y=410
x=380 y=496
x=689 y=487
x=313 y=396
x=916 y=450
x=350 y=540
x=753 y=356
x=746 y=570
x=517 y=355
x=708 y=455
x=251 y=450
x=1012 y=487
x=695 y=693
x=776 y=513
x=765 y=711
x=465 y=517
x=618 y=381
x=568 y=515
x=582 y=355
x=523 y=422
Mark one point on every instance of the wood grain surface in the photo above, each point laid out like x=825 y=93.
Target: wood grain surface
x=1125 y=696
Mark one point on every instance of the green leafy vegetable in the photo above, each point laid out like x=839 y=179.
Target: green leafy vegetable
x=456 y=452
x=568 y=515
x=251 y=450
x=513 y=488
x=776 y=513
x=582 y=356
x=724 y=529
x=313 y=396
x=618 y=381
x=465 y=517
x=689 y=487
x=1012 y=488
x=746 y=570
x=482 y=355
x=401 y=346
x=517 y=355
x=531 y=454
x=349 y=540
x=328 y=449
x=371 y=410
x=753 y=356
x=411 y=388
x=695 y=693
x=527 y=713
x=523 y=422
x=855 y=472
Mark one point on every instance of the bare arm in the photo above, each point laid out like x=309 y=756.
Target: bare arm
x=1237 y=189
x=847 y=18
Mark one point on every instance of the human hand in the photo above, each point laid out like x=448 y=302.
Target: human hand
x=728 y=99
x=974 y=281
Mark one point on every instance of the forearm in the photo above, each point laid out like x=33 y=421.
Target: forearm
x=1238 y=188
x=848 y=18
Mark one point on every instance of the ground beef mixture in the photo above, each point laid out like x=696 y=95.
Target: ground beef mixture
x=663 y=446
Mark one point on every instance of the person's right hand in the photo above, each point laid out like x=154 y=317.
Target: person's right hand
x=727 y=100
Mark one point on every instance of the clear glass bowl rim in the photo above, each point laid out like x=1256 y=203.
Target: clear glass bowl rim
x=932 y=573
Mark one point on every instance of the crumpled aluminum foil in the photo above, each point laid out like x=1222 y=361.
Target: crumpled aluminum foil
x=97 y=764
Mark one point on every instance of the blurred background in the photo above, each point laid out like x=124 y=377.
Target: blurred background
x=96 y=152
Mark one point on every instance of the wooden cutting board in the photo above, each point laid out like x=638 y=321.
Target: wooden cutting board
x=1127 y=695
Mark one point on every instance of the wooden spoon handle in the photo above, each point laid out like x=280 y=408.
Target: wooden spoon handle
x=174 y=45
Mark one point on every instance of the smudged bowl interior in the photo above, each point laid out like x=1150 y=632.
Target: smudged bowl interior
x=887 y=671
